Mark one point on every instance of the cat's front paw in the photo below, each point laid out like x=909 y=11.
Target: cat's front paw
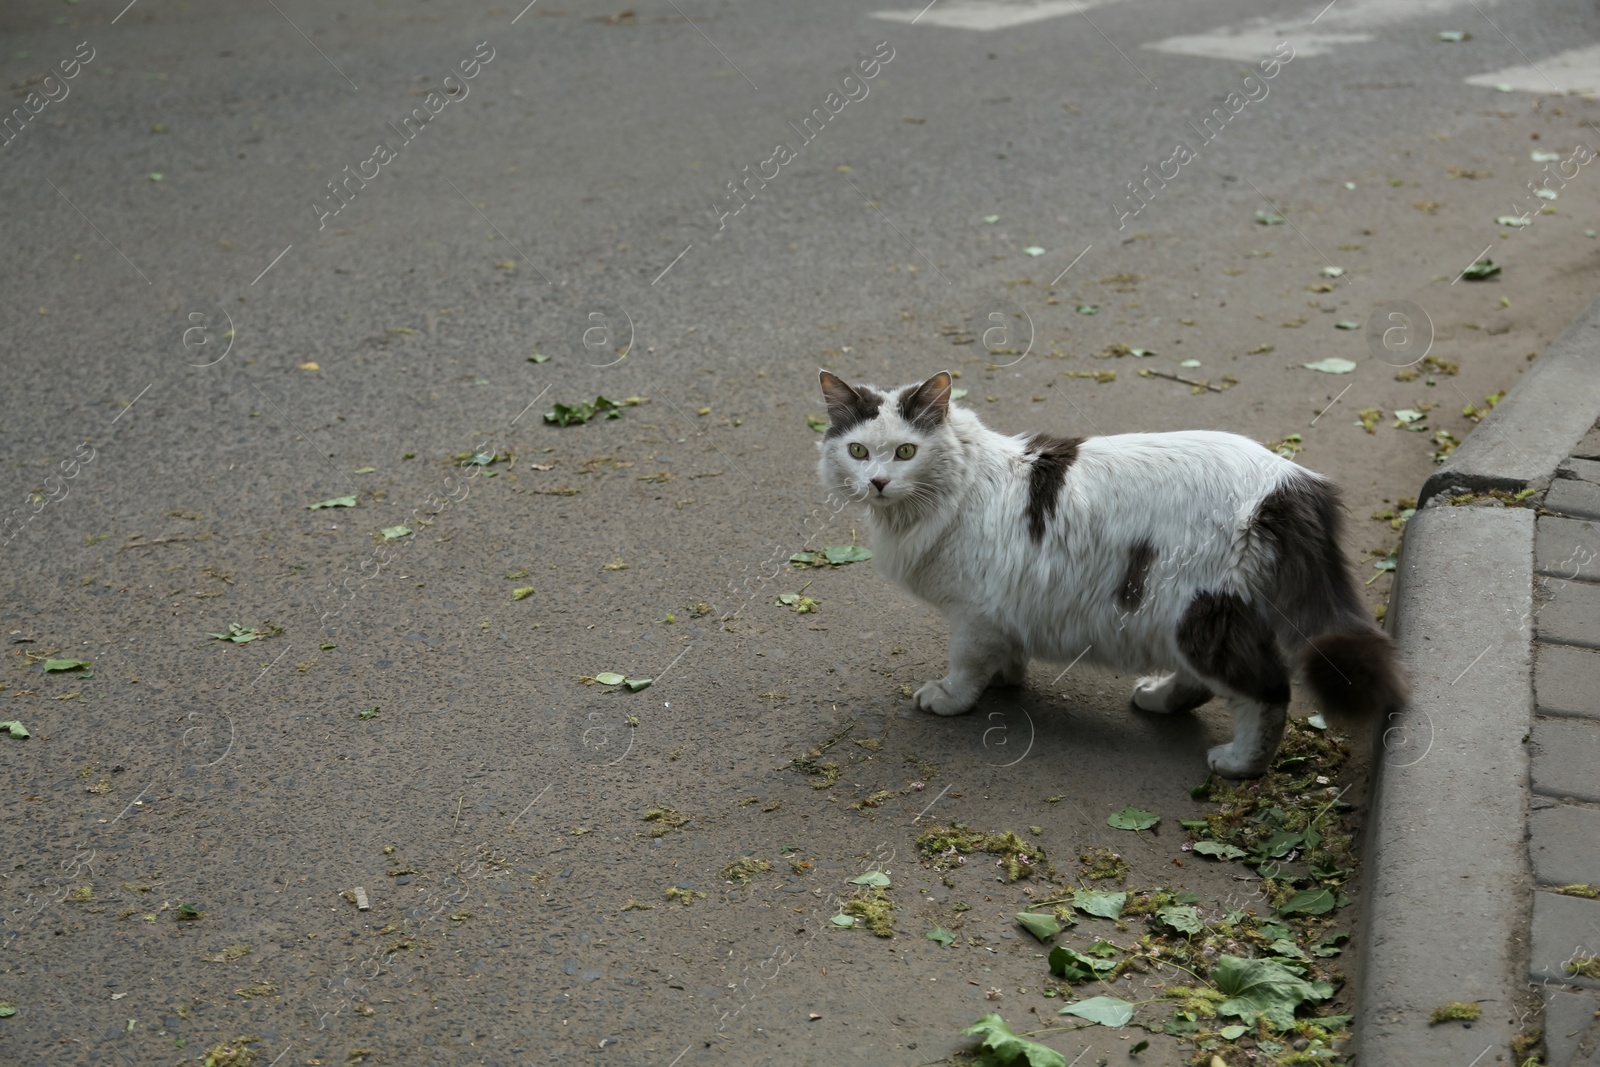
x=935 y=697
x=1226 y=762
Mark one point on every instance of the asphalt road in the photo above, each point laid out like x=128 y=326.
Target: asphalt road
x=204 y=336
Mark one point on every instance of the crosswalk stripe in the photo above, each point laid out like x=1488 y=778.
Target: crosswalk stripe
x=986 y=15
x=1576 y=71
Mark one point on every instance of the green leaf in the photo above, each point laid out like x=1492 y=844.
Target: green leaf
x=189 y=911
x=1133 y=819
x=1329 y=946
x=941 y=935
x=1074 y=966
x=1107 y=1011
x=1008 y=1049
x=1234 y=1032
x=1104 y=949
x=64 y=664
x=1269 y=218
x=1099 y=902
x=392 y=533
x=370 y=713
x=1219 y=850
x=1203 y=790
x=1087 y=309
x=1332 y=272
x=843 y=920
x=1263 y=990
x=817 y=423
x=842 y=554
x=1347 y=324
x=1484 y=268
x=636 y=684
x=1184 y=918
x=1034 y=250
x=365 y=470
x=610 y=678
x=991 y=218
x=336 y=502
x=958 y=393
x=1310 y=901
x=538 y=358
x=873 y=878
x=522 y=593
x=1044 y=927
x=7 y=1010
x=16 y=729
x=1331 y=365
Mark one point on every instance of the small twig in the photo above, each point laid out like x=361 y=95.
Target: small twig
x=1147 y=372
x=155 y=541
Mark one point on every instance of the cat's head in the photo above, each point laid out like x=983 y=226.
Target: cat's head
x=885 y=447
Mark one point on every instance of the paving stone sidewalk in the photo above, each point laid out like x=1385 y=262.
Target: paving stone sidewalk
x=1564 y=809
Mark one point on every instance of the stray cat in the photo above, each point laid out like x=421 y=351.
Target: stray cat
x=1199 y=555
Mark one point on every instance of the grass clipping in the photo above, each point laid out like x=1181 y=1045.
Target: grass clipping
x=946 y=846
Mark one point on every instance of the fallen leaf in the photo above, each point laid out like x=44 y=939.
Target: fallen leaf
x=391 y=533
x=64 y=664
x=336 y=502
x=1133 y=819
x=310 y=365
x=1107 y=1011
x=16 y=729
x=1331 y=365
x=942 y=936
x=1043 y=927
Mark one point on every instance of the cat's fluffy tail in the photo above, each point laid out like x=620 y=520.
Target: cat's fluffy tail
x=1354 y=673
x=1347 y=661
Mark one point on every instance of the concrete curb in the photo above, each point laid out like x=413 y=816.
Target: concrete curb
x=1496 y=612
x=1447 y=865
x=1537 y=425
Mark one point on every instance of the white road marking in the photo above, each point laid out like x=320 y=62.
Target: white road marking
x=1577 y=71
x=1318 y=31
x=986 y=15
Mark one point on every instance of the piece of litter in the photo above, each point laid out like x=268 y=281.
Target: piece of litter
x=362 y=903
x=814 y=1016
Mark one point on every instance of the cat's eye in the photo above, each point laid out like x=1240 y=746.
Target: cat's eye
x=858 y=450
x=905 y=451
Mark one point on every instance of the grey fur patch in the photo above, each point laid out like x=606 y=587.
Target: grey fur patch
x=1227 y=641
x=1312 y=586
x=1141 y=557
x=1051 y=457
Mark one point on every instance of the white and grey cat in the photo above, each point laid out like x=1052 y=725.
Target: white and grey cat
x=1199 y=556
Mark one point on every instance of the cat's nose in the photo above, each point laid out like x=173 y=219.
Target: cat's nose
x=879 y=483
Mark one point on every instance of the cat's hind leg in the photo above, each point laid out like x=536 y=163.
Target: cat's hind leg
x=1013 y=670
x=1257 y=732
x=974 y=650
x=1229 y=646
x=1170 y=693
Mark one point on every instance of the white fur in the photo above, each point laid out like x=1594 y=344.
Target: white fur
x=950 y=526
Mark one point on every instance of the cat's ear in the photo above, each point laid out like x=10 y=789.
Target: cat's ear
x=841 y=397
x=847 y=405
x=926 y=406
